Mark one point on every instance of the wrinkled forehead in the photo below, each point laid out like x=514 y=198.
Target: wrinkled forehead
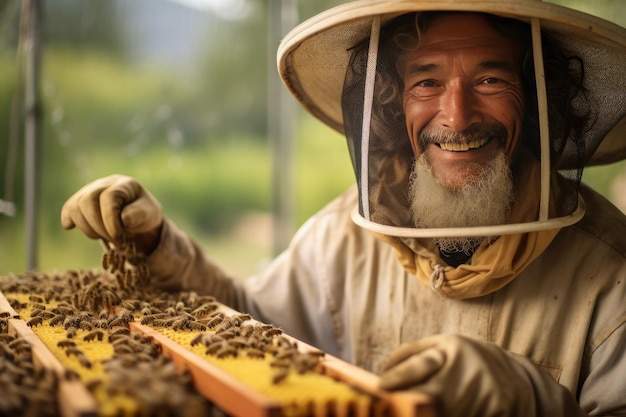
x=429 y=34
x=422 y=29
x=456 y=30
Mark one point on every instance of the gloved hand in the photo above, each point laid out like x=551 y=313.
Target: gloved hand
x=472 y=378
x=117 y=209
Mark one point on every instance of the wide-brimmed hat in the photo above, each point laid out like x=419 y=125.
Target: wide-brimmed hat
x=313 y=59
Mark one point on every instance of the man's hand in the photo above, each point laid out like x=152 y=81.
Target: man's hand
x=471 y=378
x=115 y=208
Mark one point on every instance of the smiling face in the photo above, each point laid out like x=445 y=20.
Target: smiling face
x=463 y=98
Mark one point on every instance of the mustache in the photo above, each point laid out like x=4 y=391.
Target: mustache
x=431 y=135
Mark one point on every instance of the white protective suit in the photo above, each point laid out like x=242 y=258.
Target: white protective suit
x=344 y=291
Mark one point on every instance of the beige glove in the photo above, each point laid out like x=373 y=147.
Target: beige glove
x=471 y=378
x=115 y=208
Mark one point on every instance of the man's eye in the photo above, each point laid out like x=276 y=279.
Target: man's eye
x=426 y=83
x=491 y=80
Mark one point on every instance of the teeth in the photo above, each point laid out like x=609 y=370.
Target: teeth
x=459 y=147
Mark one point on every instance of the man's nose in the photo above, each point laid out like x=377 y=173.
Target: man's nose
x=458 y=107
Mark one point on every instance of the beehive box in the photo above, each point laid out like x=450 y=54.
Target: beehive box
x=109 y=345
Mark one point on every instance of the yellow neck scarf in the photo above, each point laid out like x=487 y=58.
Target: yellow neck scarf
x=493 y=265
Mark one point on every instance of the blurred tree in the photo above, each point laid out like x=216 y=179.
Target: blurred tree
x=81 y=24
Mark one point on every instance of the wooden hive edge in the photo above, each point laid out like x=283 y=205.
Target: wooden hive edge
x=215 y=384
x=74 y=398
x=5 y=307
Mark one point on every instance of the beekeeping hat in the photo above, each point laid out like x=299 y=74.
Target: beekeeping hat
x=332 y=64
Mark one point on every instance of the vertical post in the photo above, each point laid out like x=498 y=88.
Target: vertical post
x=31 y=10
x=282 y=16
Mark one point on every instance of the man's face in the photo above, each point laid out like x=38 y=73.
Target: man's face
x=462 y=98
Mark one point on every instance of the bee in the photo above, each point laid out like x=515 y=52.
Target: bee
x=226 y=351
x=91 y=336
x=225 y=325
x=105 y=261
x=148 y=319
x=103 y=314
x=57 y=319
x=280 y=375
x=4 y=314
x=255 y=353
x=180 y=324
x=227 y=334
x=283 y=342
x=119 y=330
x=143 y=271
x=247 y=330
x=84 y=361
x=204 y=310
x=35 y=321
x=171 y=311
x=71 y=332
x=73 y=350
x=93 y=384
x=131 y=305
x=71 y=321
x=285 y=354
x=71 y=375
x=197 y=326
x=47 y=314
x=280 y=363
x=66 y=343
x=121 y=348
x=215 y=347
x=6 y=338
x=65 y=310
x=126 y=314
x=240 y=318
x=238 y=342
x=161 y=323
x=38 y=306
x=213 y=322
x=206 y=339
x=316 y=353
x=20 y=346
x=100 y=324
x=254 y=341
x=16 y=304
x=121 y=281
x=272 y=332
x=304 y=363
x=118 y=321
x=85 y=325
x=110 y=299
x=116 y=337
x=146 y=311
x=36 y=299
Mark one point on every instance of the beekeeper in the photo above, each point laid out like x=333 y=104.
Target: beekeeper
x=469 y=261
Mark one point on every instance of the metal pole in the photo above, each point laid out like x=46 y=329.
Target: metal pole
x=32 y=118
x=282 y=16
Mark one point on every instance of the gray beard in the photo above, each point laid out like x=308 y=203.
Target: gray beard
x=485 y=200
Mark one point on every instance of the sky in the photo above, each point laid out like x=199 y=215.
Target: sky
x=224 y=9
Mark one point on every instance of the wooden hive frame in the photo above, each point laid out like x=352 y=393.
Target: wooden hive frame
x=236 y=398
x=74 y=398
x=216 y=384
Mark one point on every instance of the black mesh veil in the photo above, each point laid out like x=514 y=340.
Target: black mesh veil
x=382 y=156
